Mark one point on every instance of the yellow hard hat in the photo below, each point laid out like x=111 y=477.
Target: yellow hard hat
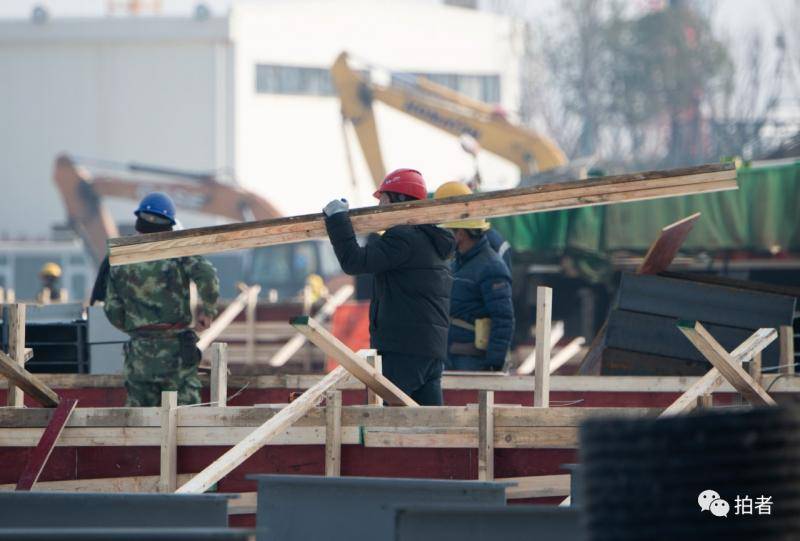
x=454 y=189
x=52 y=270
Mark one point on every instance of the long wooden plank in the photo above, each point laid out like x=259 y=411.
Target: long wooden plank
x=450 y=381
x=137 y=483
x=632 y=187
x=38 y=458
x=352 y=416
x=722 y=361
x=218 y=381
x=333 y=433
x=486 y=435
x=260 y=436
x=26 y=381
x=465 y=438
x=537 y=486
x=786 y=363
x=713 y=379
x=168 y=473
x=356 y=365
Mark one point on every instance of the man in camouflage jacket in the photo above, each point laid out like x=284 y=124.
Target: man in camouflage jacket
x=150 y=302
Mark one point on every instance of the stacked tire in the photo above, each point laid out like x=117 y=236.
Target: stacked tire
x=642 y=478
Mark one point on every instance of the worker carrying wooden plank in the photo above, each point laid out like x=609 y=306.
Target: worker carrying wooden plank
x=409 y=310
x=481 y=311
x=150 y=302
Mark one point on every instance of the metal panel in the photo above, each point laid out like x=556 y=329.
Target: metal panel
x=90 y=510
x=514 y=523
x=350 y=508
x=124 y=534
x=704 y=302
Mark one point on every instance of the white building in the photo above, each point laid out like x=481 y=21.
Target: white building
x=247 y=93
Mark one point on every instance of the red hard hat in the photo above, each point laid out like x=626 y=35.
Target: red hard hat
x=405 y=181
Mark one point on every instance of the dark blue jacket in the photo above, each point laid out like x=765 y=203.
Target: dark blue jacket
x=411 y=290
x=482 y=288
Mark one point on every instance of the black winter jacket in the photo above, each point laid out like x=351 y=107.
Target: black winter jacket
x=410 y=306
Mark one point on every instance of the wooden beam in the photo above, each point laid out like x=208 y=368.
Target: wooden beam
x=250 y=322
x=38 y=458
x=260 y=436
x=219 y=375
x=333 y=433
x=486 y=435
x=566 y=353
x=755 y=368
x=747 y=350
x=631 y=187
x=168 y=473
x=787 y=350
x=26 y=381
x=323 y=314
x=137 y=483
x=544 y=307
x=722 y=361
x=16 y=349
x=323 y=339
x=226 y=318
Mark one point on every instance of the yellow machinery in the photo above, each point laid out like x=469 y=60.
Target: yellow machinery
x=439 y=106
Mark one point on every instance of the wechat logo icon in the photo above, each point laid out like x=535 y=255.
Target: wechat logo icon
x=710 y=500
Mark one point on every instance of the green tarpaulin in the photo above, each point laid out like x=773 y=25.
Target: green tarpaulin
x=761 y=216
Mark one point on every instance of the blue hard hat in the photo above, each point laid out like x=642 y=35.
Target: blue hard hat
x=157 y=204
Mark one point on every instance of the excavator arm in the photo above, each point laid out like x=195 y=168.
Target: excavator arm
x=82 y=195
x=444 y=109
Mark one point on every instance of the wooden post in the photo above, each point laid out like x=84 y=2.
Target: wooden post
x=544 y=306
x=261 y=435
x=375 y=361
x=755 y=368
x=250 y=314
x=16 y=350
x=705 y=401
x=168 y=476
x=219 y=374
x=333 y=433
x=29 y=383
x=787 y=350
x=486 y=436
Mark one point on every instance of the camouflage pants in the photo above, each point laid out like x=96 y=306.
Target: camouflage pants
x=162 y=362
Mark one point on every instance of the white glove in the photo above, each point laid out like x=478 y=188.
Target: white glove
x=336 y=206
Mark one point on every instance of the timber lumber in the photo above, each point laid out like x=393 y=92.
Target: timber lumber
x=486 y=436
x=260 y=436
x=140 y=483
x=544 y=307
x=355 y=364
x=528 y=365
x=537 y=486
x=226 y=317
x=218 y=381
x=604 y=190
x=658 y=258
x=786 y=363
x=298 y=340
x=26 y=381
x=38 y=458
x=333 y=433
x=722 y=361
x=748 y=350
x=168 y=473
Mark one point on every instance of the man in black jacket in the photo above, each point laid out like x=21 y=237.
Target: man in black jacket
x=410 y=306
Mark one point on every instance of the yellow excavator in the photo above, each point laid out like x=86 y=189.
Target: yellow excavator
x=443 y=108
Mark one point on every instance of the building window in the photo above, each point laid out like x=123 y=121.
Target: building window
x=293 y=80
x=479 y=87
x=303 y=81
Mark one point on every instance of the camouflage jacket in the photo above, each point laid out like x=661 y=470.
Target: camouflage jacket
x=157 y=292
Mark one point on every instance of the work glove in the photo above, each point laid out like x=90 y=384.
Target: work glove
x=335 y=207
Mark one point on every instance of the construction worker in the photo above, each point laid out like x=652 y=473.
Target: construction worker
x=150 y=302
x=408 y=316
x=481 y=311
x=50 y=275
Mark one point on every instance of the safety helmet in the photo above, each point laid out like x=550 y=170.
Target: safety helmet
x=405 y=181
x=156 y=205
x=455 y=189
x=50 y=270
